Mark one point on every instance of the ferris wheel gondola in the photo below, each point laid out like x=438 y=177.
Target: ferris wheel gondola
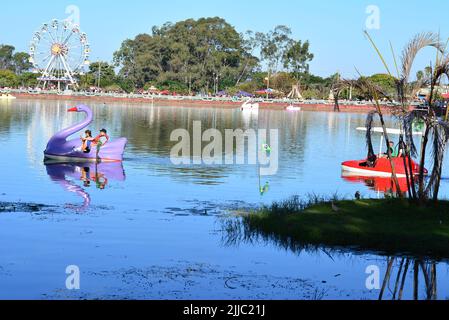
x=59 y=51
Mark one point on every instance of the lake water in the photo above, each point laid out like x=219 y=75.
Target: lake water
x=149 y=229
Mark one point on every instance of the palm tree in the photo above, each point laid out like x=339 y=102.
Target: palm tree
x=436 y=133
x=374 y=93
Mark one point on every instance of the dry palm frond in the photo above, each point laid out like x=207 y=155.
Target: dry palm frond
x=365 y=86
x=408 y=122
x=342 y=84
x=418 y=43
x=413 y=88
x=441 y=69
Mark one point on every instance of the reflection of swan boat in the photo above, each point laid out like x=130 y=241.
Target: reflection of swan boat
x=293 y=108
x=381 y=166
x=60 y=149
x=98 y=174
x=249 y=106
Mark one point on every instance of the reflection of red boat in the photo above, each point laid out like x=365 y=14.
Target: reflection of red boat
x=379 y=184
x=381 y=168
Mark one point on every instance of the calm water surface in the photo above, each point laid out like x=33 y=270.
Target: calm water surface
x=149 y=229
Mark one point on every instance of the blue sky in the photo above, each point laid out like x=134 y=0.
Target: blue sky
x=334 y=27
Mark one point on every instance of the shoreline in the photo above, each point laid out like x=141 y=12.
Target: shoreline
x=189 y=102
x=359 y=225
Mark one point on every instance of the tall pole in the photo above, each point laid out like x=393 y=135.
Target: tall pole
x=99 y=73
x=268 y=83
x=190 y=84
x=218 y=84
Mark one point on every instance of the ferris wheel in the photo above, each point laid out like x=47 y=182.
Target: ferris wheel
x=59 y=52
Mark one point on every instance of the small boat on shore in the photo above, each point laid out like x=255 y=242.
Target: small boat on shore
x=293 y=108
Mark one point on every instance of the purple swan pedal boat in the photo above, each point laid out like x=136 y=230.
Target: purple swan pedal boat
x=59 y=148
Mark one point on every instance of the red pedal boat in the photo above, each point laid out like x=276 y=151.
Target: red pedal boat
x=381 y=168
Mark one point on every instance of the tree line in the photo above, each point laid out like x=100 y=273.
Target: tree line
x=15 y=68
x=206 y=56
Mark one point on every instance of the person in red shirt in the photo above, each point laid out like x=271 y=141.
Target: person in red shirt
x=101 y=140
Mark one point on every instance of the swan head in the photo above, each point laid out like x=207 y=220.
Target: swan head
x=79 y=108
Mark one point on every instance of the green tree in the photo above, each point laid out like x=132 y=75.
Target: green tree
x=125 y=84
x=17 y=62
x=283 y=82
x=386 y=82
x=86 y=81
x=21 y=62
x=420 y=75
x=250 y=62
x=28 y=79
x=6 y=57
x=297 y=57
x=202 y=54
x=8 y=78
x=274 y=46
x=256 y=82
x=101 y=72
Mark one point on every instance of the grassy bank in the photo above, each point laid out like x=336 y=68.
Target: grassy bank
x=388 y=226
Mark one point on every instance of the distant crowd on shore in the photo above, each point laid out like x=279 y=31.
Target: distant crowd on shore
x=241 y=96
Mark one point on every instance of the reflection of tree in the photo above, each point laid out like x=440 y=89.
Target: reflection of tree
x=6 y=117
x=13 y=115
x=396 y=281
x=207 y=176
x=420 y=269
x=148 y=131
